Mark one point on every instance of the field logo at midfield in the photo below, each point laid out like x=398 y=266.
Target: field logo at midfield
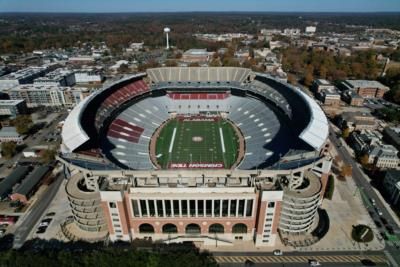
x=197 y=139
x=218 y=165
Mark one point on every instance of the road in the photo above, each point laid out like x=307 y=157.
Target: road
x=236 y=259
x=31 y=220
x=364 y=185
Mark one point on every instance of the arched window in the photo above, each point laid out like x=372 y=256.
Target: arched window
x=239 y=228
x=192 y=229
x=169 y=228
x=216 y=228
x=146 y=229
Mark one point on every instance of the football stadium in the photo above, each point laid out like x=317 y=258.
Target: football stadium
x=215 y=155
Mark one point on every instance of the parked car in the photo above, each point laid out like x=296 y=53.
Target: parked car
x=50 y=214
x=278 y=252
x=314 y=263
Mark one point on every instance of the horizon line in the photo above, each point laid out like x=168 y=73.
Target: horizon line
x=193 y=11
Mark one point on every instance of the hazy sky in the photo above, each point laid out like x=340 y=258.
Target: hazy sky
x=198 y=5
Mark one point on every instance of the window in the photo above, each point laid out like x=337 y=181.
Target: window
x=239 y=228
x=225 y=206
x=184 y=208
x=233 y=207
x=216 y=228
x=118 y=231
x=217 y=204
x=112 y=205
x=114 y=214
x=146 y=228
x=176 y=207
x=135 y=207
x=115 y=220
x=152 y=208
x=117 y=225
x=192 y=229
x=265 y=235
x=249 y=208
x=160 y=209
x=241 y=207
x=200 y=208
x=168 y=209
x=271 y=204
x=270 y=214
x=143 y=207
x=208 y=207
x=192 y=208
x=169 y=228
x=268 y=220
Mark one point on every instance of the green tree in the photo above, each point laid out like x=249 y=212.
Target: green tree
x=345 y=133
x=8 y=149
x=23 y=123
x=364 y=160
x=48 y=155
x=309 y=77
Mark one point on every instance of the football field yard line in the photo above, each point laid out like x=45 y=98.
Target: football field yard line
x=171 y=145
x=222 y=140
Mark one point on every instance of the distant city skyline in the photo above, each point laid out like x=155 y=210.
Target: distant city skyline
x=204 y=5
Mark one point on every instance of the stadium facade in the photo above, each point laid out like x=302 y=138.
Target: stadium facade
x=117 y=189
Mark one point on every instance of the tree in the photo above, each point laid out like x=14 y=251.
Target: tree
x=23 y=123
x=8 y=149
x=48 y=155
x=364 y=160
x=309 y=77
x=345 y=133
x=346 y=170
x=330 y=187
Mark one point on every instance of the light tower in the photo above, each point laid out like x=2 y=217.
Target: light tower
x=166 y=31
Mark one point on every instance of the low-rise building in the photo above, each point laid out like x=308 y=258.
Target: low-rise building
x=29 y=185
x=320 y=84
x=391 y=135
x=10 y=134
x=391 y=183
x=82 y=60
x=13 y=108
x=358 y=120
x=196 y=55
x=47 y=95
x=362 y=141
x=384 y=156
x=352 y=98
x=88 y=75
x=330 y=97
x=365 y=88
x=23 y=76
x=60 y=77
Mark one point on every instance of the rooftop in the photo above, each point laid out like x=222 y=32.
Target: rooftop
x=11 y=102
x=8 y=131
x=366 y=84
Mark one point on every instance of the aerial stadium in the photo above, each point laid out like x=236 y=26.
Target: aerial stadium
x=204 y=154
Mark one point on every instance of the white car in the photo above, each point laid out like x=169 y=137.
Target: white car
x=314 y=263
x=42 y=224
x=278 y=252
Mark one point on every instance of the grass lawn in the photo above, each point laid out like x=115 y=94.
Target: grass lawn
x=188 y=142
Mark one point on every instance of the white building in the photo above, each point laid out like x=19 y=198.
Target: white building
x=47 y=95
x=311 y=29
x=291 y=32
x=88 y=75
x=384 y=156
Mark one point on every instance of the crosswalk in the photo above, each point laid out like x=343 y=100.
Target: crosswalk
x=301 y=259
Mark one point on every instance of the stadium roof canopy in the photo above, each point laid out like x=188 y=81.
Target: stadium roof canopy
x=317 y=130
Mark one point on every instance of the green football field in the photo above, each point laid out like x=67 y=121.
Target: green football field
x=188 y=143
